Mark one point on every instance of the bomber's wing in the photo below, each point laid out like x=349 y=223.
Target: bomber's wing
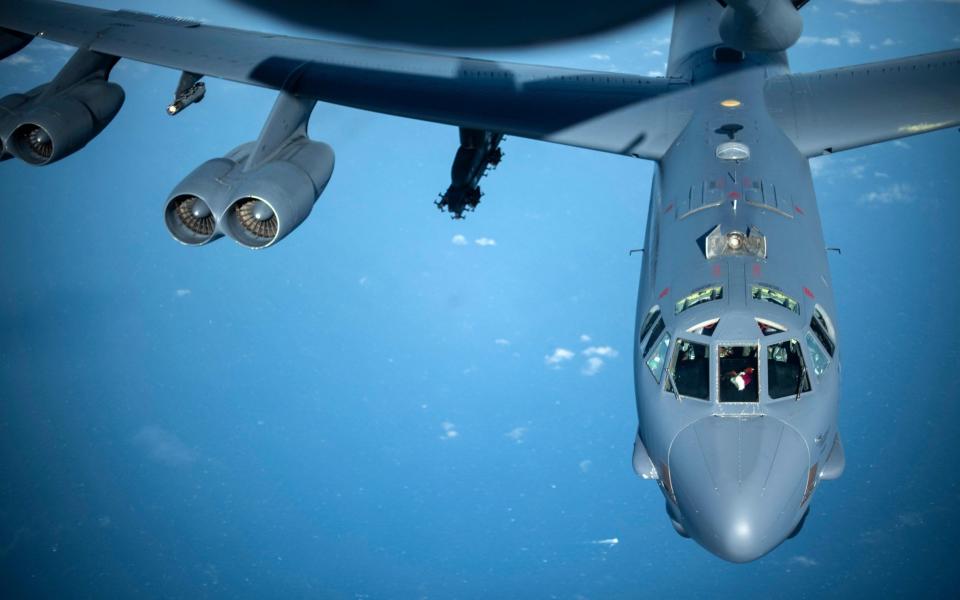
x=839 y=109
x=623 y=114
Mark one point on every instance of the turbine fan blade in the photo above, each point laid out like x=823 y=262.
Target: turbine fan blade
x=261 y=224
x=195 y=215
x=38 y=141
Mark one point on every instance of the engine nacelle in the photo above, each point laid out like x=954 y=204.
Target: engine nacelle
x=197 y=204
x=48 y=129
x=9 y=110
x=276 y=198
x=256 y=208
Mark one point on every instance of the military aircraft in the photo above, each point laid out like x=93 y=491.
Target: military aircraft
x=737 y=352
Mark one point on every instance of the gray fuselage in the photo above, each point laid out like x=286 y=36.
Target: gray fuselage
x=737 y=466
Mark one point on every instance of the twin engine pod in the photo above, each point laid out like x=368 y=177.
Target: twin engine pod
x=42 y=129
x=256 y=207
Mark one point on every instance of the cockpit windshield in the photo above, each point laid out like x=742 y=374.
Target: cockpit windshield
x=659 y=355
x=786 y=373
x=738 y=373
x=690 y=369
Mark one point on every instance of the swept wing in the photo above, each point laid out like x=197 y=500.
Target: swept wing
x=624 y=114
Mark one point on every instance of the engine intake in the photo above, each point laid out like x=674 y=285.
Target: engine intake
x=9 y=107
x=276 y=198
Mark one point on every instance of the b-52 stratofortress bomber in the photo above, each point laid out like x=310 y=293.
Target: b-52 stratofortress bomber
x=737 y=351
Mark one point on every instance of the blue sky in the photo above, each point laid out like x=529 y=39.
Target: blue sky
x=392 y=404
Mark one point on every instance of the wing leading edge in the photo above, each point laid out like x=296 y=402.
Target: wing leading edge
x=849 y=107
x=623 y=114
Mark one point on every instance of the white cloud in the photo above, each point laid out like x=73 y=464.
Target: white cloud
x=605 y=351
x=848 y=37
x=654 y=73
x=592 y=367
x=164 y=447
x=559 y=355
x=485 y=241
x=852 y=38
x=585 y=465
x=654 y=53
x=182 y=293
x=889 y=42
x=809 y=40
x=881 y=175
x=600 y=56
x=897 y=193
x=501 y=342
x=584 y=338
x=516 y=434
x=804 y=561
x=449 y=430
x=18 y=59
x=458 y=240
x=956 y=39
x=902 y=145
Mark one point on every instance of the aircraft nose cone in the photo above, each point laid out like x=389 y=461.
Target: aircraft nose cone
x=739 y=482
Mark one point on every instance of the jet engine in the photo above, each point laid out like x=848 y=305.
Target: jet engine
x=256 y=208
x=8 y=115
x=58 y=118
x=197 y=204
x=54 y=127
x=275 y=199
x=259 y=192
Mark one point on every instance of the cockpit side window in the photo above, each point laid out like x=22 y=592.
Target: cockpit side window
x=786 y=372
x=770 y=294
x=820 y=326
x=690 y=369
x=657 y=330
x=738 y=373
x=658 y=357
x=648 y=322
x=818 y=356
x=707 y=294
